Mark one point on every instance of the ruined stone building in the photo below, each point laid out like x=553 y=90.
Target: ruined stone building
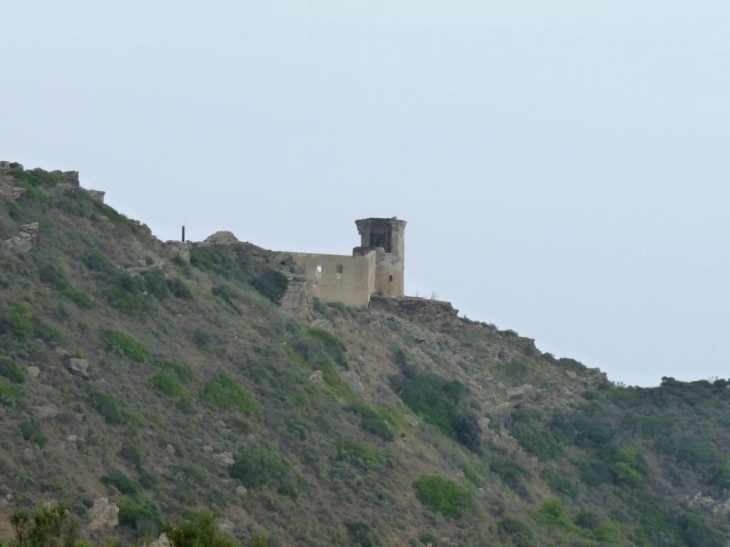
x=375 y=267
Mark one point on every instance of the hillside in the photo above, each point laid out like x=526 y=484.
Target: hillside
x=143 y=382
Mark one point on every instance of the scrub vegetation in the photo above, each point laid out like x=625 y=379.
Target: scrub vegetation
x=183 y=393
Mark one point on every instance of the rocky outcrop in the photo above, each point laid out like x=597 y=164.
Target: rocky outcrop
x=70 y=177
x=78 y=367
x=103 y=515
x=23 y=242
x=416 y=309
x=220 y=238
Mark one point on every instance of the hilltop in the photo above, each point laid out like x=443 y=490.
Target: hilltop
x=143 y=382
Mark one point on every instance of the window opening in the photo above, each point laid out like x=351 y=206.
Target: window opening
x=339 y=271
x=319 y=270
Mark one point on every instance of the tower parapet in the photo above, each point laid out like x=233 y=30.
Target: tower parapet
x=385 y=236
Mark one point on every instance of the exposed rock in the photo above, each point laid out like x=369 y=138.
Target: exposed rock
x=241 y=491
x=353 y=379
x=179 y=248
x=251 y=438
x=410 y=420
x=207 y=448
x=63 y=188
x=69 y=177
x=220 y=238
x=162 y=541
x=78 y=367
x=96 y=195
x=419 y=309
x=226 y=525
x=25 y=240
x=521 y=393
x=103 y=514
x=33 y=372
x=317 y=378
x=570 y=374
x=170 y=450
x=71 y=438
x=224 y=458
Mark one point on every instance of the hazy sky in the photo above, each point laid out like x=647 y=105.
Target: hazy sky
x=563 y=166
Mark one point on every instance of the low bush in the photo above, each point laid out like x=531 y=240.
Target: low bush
x=19 y=321
x=31 y=431
x=258 y=467
x=10 y=392
x=442 y=495
x=106 y=405
x=182 y=371
x=123 y=344
x=365 y=456
x=520 y=532
x=168 y=385
x=120 y=481
x=132 y=453
x=138 y=513
x=272 y=284
x=441 y=403
x=156 y=284
x=512 y=474
x=9 y=369
x=179 y=289
x=224 y=393
x=371 y=421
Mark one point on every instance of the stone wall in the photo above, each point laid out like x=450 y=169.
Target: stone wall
x=339 y=278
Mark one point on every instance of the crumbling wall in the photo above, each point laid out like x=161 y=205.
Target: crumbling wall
x=339 y=278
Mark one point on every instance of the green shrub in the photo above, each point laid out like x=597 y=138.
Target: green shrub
x=224 y=393
x=199 y=531
x=9 y=369
x=362 y=534
x=168 y=385
x=227 y=261
x=520 y=532
x=81 y=299
x=148 y=481
x=53 y=276
x=560 y=483
x=228 y=295
x=182 y=371
x=371 y=421
x=365 y=456
x=512 y=474
x=332 y=345
x=19 y=320
x=9 y=392
x=132 y=453
x=442 y=495
x=629 y=466
x=32 y=432
x=441 y=403
x=96 y=260
x=138 y=512
x=120 y=481
x=156 y=284
x=259 y=467
x=105 y=404
x=179 y=289
x=272 y=284
x=123 y=344
x=552 y=514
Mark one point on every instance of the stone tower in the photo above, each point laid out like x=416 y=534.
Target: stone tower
x=385 y=236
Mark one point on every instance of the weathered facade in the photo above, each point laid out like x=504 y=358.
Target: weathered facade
x=375 y=267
